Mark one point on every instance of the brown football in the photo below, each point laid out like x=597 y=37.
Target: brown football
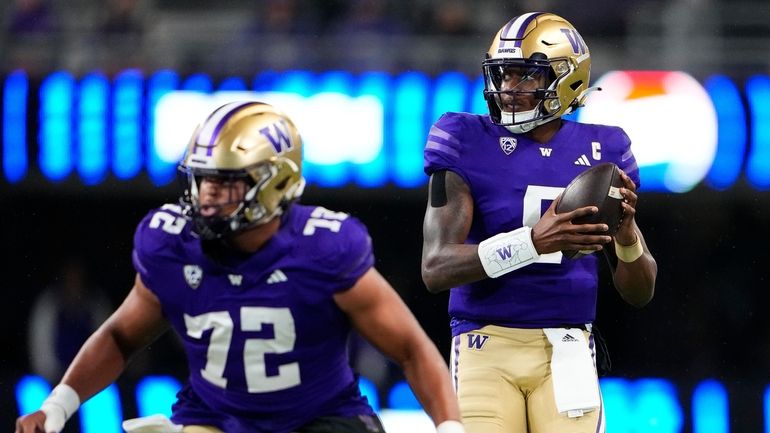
x=598 y=186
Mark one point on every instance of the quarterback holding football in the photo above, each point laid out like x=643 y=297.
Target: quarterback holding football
x=522 y=313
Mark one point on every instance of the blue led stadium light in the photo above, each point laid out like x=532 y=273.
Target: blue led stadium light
x=92 y=150
x=401 y=397
x=301 y=83
x=127 y=118
x=642 y=405
x=450 y=93
x=632 y=406
x=198 y=83
x=342 y=82
x=161 y=172
x=410 y=128
x=232 y=84
x=15 y=159
x=55 y=156
x=369 y=390
x=758 y=164
x=265 y=81
x=156 y=394
x=710 y=409
x=336 y=84
x=103 y=413
x=658 y=406
x=731 y=141
x=375 y=172
x=98 y=127
x=478 y=105
x=30 y=393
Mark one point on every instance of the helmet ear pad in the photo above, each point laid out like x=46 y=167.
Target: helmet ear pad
x=276 y=192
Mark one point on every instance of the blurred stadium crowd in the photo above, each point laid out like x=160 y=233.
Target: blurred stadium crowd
x=241 y=36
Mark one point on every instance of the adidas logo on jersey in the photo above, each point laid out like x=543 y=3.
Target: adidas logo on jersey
x=583 y=160
x=277 y=277
x=568 y=339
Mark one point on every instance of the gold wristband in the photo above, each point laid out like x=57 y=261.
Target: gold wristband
x=629 y=253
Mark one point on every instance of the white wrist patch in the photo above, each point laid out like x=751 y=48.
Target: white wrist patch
x=59 y=406
x=507 y=252
x=450 y=426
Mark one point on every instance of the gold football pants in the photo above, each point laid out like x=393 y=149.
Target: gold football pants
x=503 y=381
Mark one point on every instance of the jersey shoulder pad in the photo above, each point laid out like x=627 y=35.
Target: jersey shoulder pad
x=447 y=140
x=616 y=146
x=450 y=129
x=609 y=135
x=336 y=244
x=160 y=234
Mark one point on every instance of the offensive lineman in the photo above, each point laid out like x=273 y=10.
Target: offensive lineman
x=263 y=293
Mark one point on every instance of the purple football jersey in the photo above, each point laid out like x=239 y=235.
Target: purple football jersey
x=513 y=180
x=266 y=343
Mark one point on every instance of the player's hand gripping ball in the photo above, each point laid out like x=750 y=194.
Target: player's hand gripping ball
x=598 y=186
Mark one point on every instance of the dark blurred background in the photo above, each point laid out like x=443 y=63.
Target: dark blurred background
x=708 y=318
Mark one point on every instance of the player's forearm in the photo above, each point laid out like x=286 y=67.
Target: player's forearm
x=98 y=363
x=428 y=376
x=451 y=265
x=635 y=281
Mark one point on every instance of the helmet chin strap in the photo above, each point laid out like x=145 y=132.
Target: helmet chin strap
x=527 y=124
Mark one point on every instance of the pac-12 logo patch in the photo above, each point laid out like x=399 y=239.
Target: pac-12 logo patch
x=508 y=144
x=193 y=274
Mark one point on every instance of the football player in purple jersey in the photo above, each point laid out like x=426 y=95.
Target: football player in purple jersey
x=523 y=355
x=263 y=293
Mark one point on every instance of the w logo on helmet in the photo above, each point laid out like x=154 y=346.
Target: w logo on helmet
x=578 y=45
x=279 y=136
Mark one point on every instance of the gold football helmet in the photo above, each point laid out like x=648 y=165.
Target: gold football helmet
x=251 y=141
x=546 y=50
